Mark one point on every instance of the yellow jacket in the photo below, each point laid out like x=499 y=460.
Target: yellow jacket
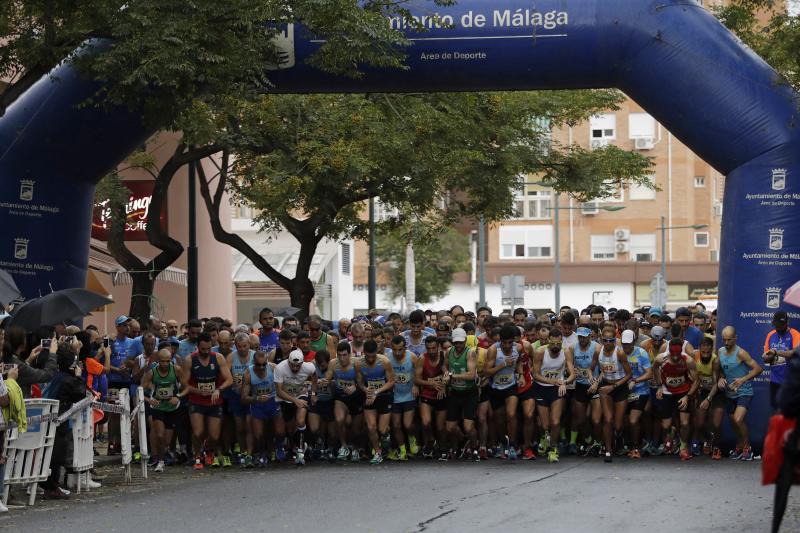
x=15 y=411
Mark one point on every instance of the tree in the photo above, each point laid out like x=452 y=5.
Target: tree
x=307 y=163
x=438 y=257
x=167 y=59
x=767 y=27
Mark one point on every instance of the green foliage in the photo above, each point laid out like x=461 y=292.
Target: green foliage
x=766 y=27
x=437 y=256
x=435 y=157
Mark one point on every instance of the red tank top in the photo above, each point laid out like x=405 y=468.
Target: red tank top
x=430 y=371
x=526 y=369
x=483 y=342
x=206 y=378
x=675 y=376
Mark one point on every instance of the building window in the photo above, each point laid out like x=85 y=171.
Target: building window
x=604 y=247
x=535 y=205
x=701 y=239
x=699 y=182
x=713 y=256
x=641 y=125
x=526 y=242
x=642 y=247
x=346 y=259
x=383 y=212
x=603 y=126
x=617 y=195
x=642 y=192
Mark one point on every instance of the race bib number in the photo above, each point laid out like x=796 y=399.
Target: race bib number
x=375 y=384
x=608 y=368
x=345 y=384
x=583 y=373
x=163 y=393
x=552 y=374
x=113 y=395
x=237 y=379
x=673 y=382
x=503 y=379
x=706 y=382
x=207 y=387
x=263 y=391
x=633 y=397
x=402 y=379
x=294 y=389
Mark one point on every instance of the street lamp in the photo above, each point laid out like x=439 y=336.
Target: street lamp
x=557 y=208
x=663 y=227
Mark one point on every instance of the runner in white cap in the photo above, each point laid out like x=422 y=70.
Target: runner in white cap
x=291 y=376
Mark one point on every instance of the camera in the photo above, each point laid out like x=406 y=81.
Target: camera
x=46 y=343
x=106 y=342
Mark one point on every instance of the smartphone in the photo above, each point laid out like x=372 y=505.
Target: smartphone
x=69 y=339
x=46 y=343
x=106 y=342
x=5 y=368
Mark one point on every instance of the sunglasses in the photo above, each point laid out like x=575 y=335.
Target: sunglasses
x=609 y=341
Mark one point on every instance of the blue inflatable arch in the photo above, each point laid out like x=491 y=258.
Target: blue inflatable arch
x=671 y=56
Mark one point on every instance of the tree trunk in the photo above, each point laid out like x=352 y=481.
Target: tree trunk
x=301 y=294
x=141 y=293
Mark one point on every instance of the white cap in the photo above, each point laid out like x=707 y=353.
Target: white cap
x=296 y=356
x=459 y=335
x=628 y=337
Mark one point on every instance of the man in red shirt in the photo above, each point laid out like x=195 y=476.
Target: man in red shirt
x=676 y=376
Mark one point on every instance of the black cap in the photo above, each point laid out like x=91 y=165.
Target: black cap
x=780 y=316
x=164 y=344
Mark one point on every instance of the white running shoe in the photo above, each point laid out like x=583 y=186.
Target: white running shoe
x=159 y=467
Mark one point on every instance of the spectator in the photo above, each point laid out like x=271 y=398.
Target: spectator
x=14 y=350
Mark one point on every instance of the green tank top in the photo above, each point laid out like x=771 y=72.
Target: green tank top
x=321 y=343
x=458 y=365
x=165 y=388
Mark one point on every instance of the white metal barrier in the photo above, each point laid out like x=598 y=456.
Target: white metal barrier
x=82 y=444
x=28 y=454
x=127 y=418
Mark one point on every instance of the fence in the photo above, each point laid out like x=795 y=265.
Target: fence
x=29 y=453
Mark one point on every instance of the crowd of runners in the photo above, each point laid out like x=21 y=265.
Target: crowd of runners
x=449 y=385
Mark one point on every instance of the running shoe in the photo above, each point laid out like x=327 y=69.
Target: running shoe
x=685 y=454
x=444 y=457
x=736 y=454
x=226 y=461
x=355 y=456
x=280 y=454
x=512 y=454
x=137 y=458
x=413 y=447
x=476 y=456
x=607 y=458
x=635 y=454
x=427 y=453
x=198 y=463
x=385 y=442
x=572 y=449
x=594 y=449
x=392 y=455
x=403 y=455
x=696 y=448
x=209 y=458
x=707 y=449
x=215 y=463
x=182 y=458
x=747 y=454
x=648 y=448
x=299 y=457
x=552 y=456
x=716 y=454
x=169 y=459
x=377 y=458
x=152 y=461
x=159 y=467
x=668 y=447
x=331 y=456
x=528 y=454
x=248 y=461
x=262 y=461
x=344 y=453
x=236 y=449
x=483 y=454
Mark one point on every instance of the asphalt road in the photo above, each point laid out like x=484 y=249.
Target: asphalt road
x=652 y=495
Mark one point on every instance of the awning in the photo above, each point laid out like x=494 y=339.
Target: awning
x=102 y=261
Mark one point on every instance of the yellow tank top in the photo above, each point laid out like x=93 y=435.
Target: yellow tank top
x=705 y=371
x=480 y=360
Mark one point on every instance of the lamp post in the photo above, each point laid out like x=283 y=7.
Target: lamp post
x=557 y=269
x=663 y=227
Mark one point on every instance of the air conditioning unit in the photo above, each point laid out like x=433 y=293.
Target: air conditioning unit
x=623 y=247
x=590 y=208
x=622 y=234
x=596 y=144
x=644 y=143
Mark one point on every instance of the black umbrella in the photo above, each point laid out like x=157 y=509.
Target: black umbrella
x=57 y=307
x=8 y=289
